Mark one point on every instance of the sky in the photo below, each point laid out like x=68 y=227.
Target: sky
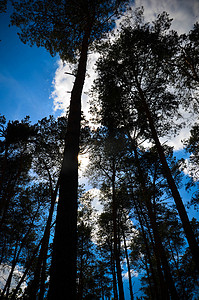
x=34 y=83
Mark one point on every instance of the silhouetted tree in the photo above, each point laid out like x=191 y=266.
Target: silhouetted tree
x=68 y=28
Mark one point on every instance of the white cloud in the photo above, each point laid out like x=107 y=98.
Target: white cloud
x=176 y=142
x=63 y=83
x=95 y=200
x=134 y=273
x=184 y=13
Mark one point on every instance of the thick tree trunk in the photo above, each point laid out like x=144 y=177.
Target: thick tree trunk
x=63 y=268
x=194 y=248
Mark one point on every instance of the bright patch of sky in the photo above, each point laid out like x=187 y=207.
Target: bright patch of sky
x=63 y=83
x=4 y=273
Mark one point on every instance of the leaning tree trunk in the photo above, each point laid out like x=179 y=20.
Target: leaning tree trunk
x=194 y=248
x=63 y=267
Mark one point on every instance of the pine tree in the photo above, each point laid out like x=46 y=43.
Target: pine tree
x=67 y=28
x=134 y=93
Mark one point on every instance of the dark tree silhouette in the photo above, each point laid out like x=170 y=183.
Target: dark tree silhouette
x=67 y=28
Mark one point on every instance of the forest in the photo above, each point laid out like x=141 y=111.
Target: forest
x=54 y=243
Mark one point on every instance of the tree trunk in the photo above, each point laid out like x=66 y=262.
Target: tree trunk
x=158 y=247
x=16 y=257
x=115 y=293
x=13 y=297
x=43 y=252
x=115 y=234
x=63 y=267
x=157 y=288
x=184 y=293
x=194 y=248
x=128 y=265
x=8 y=282
x=80 y=285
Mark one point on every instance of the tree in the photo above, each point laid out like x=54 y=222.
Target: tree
x=68 y=28
x=105 y=161
x=23 y=221
x=15 y=160
x=134 y=91
x=48 y=155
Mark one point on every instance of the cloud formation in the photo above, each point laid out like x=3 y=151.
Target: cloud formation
x=63 y=83
x=184 y=13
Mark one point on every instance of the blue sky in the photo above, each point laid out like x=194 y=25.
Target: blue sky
x=26 y=75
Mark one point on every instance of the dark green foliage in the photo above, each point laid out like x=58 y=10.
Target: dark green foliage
x=59 y=25
x=3 y=6
x=138 y=59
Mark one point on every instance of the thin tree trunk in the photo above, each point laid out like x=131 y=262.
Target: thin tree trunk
x=159 y=249
x=13 y=297
x=185 y=296
x=8 y=282
x=43 y=252
x=156 y=289
x=128 y=265
x=16 y=257
x=150 y=285
x=115 y=233
x=115 y=293
x=63 y=267
x=80 y=285
x=43 y=280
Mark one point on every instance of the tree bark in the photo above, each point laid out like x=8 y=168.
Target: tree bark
x=63 y=267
